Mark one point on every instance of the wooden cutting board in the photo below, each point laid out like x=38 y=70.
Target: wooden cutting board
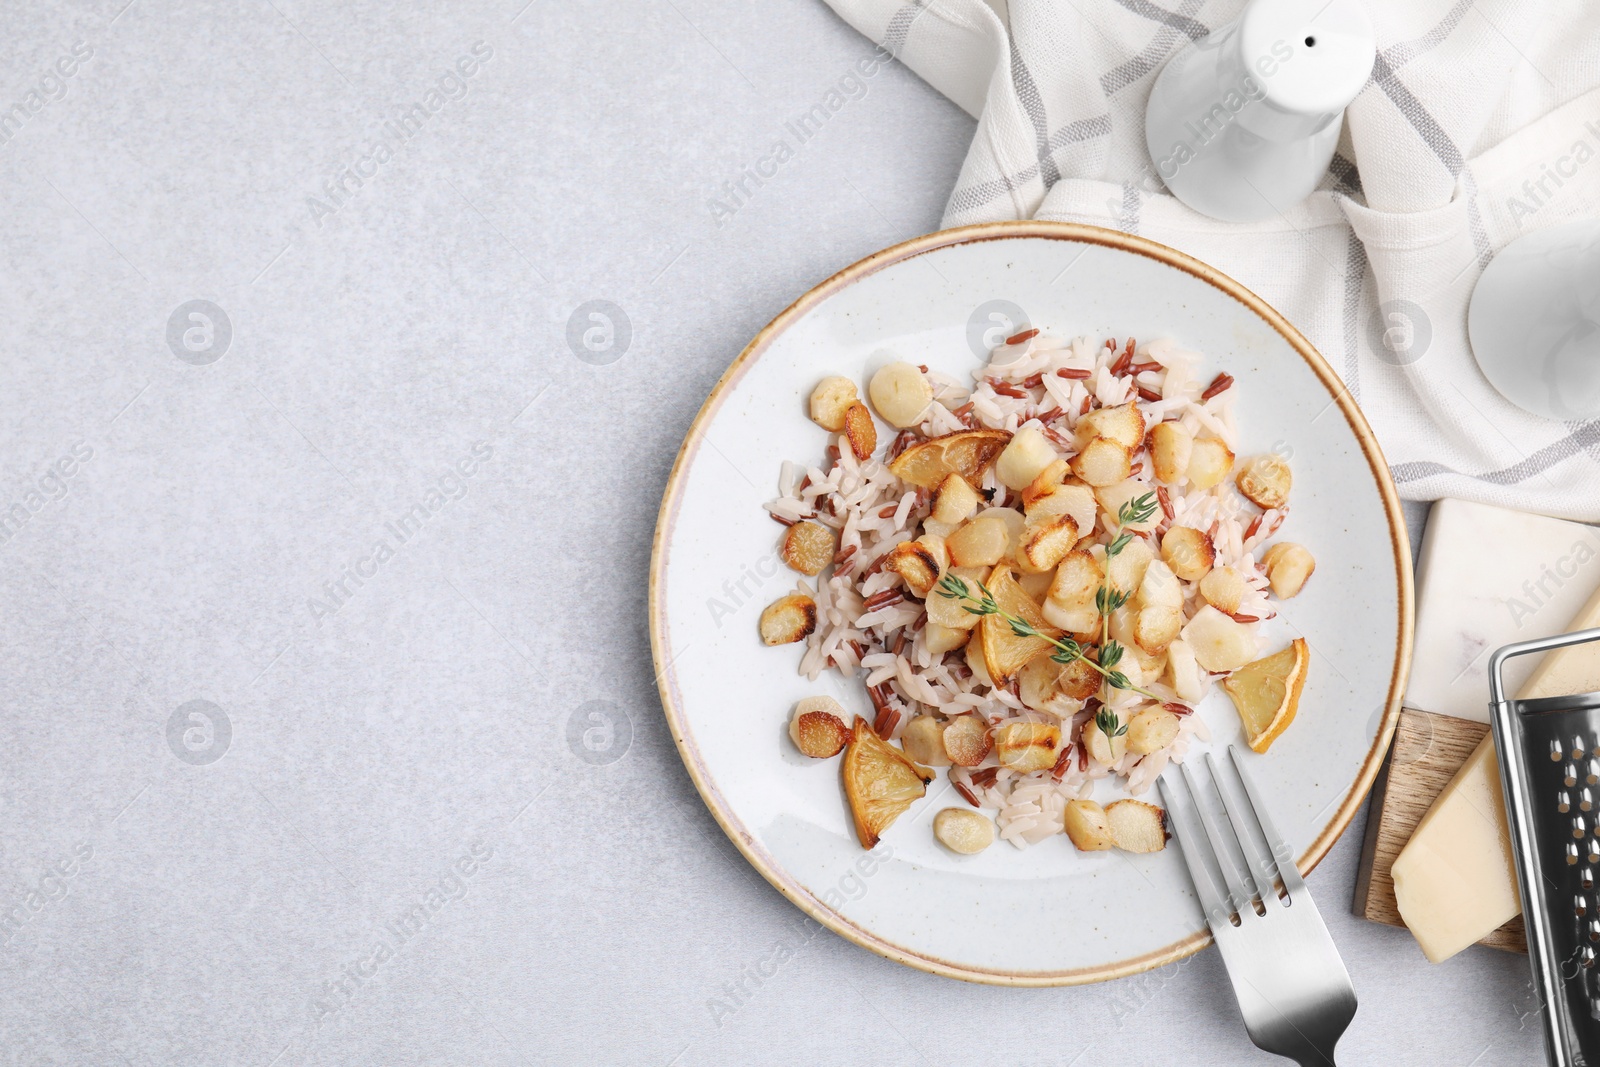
x=1427 y=751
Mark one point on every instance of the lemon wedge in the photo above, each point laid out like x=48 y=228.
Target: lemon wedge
x=880 y=782
x=1267 y=693
x=1004 y=653
x=966 y=452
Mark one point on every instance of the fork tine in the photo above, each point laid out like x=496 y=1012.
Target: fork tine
x=1282 y=856
x=1241 y=828
x=1191 y=842
x=1238 y=892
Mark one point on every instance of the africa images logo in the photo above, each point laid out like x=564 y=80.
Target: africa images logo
x=51 y=86
x=395 y=132
x=47 y=487
x=450 y=486
x=335 y=993
x=849 y=87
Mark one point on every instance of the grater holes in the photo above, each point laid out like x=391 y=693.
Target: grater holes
x=1569 y=775
x=1564 y=802
x=1578 y=748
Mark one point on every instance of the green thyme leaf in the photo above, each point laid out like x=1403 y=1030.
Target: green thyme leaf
x=1067 y=651
x=1137 y=510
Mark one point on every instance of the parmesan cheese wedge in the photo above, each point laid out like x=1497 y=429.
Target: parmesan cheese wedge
x=1455 y=881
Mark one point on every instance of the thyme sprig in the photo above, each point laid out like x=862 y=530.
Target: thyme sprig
x=1107 y=599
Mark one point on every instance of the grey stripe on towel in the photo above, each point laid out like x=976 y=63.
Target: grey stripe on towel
x=1584 y=435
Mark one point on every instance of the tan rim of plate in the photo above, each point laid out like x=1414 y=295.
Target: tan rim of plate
x=1058 y=231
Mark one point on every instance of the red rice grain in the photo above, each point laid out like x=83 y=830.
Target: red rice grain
x=1124 y=361
x=887 y=720
x=882 y=598
x=1218 y=384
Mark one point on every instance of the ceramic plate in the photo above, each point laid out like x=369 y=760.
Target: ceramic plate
x=1049 y=914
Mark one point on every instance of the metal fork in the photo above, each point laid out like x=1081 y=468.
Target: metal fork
x=1292 y=987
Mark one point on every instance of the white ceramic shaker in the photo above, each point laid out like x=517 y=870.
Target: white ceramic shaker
x=1243 y=123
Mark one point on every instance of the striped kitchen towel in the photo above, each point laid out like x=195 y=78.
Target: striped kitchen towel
x=1481 y=123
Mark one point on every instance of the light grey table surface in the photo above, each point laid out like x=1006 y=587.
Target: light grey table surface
x=375 y=843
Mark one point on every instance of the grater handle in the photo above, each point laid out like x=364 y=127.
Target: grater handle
x=1497 y=688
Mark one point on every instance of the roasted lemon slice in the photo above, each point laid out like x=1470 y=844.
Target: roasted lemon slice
x=1004 y=653
x=880 y=782
x=1267 y=692
x=966 y=452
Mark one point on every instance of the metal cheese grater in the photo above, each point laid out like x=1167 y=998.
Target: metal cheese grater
x=1549 y=751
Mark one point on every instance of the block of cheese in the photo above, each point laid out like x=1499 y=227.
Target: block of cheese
x=1486 y=577
x=1455 y=880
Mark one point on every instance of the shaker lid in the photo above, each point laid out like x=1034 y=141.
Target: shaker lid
x=1309 y=56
